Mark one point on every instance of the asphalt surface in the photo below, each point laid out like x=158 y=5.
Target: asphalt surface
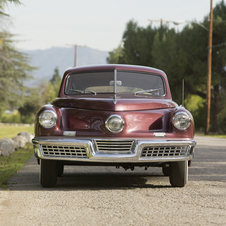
x=110 y=196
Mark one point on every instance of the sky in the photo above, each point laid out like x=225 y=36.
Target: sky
x=98 y=24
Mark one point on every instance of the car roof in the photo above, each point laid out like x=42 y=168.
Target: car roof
x=113 y=67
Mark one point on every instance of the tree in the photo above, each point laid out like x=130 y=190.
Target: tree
x=48 y=90
x=30 y=106
x=115 y=56
x=183 y=55
x=35 y=98
x=137 y=44
x=14 y=68
x=56 y=81
x=218 y=65
x=56 y=77
x=51 y=94
x=168 y=56
x=3 y=3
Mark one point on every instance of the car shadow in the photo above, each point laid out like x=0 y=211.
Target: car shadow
x=99 y=181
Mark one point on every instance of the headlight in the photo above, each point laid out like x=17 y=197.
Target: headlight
x=48 y=119
x=114 y=123
x=181 y=120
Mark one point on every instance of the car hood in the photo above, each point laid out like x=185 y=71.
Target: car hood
x=118 y=104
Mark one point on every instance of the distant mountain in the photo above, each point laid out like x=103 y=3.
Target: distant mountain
x=62 y=57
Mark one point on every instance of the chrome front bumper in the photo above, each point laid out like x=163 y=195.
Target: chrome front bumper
x=112 y=150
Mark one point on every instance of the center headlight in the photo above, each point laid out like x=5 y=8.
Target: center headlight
x=48 y=119
x=181 y=120
x=114 y=123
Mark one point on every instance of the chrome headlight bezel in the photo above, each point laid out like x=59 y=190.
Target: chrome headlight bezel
x=118 y=119
x=181 y=120
x=52 y=118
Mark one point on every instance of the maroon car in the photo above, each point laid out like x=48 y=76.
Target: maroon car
x=114 y=115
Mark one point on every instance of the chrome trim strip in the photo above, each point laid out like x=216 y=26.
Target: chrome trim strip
x=95 y=156
x=159 y=134
x=69 y=133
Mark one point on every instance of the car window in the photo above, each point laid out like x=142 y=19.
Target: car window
x=98 y=82
x=136 y=81
x=128 y=82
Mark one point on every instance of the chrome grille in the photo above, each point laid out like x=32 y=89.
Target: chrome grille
x=114 y=146
x=64 y=151
x=163 y=151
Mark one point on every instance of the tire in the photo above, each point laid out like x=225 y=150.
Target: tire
x=166 y=170
x=60 y=169
x=178 y=173
x=48 y=173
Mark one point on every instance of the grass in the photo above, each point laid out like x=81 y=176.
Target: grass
x=12 y=131
x=218 y=136
x=9 y=165
x=211 y=135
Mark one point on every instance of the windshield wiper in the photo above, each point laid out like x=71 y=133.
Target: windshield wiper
x=83 y=91
x=149 y=91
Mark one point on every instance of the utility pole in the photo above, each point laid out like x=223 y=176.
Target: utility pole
x=208 y=95
x=76 y=50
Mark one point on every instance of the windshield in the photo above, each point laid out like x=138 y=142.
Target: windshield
x=127 y=82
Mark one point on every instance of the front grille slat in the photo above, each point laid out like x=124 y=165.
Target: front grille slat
x=163 y=152
x=114 y=146
x=65 y=151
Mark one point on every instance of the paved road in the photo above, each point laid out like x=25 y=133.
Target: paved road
x=109 y=196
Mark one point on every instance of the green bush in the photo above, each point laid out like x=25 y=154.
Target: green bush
x=9 y=165
x=11 y=118
x=222 y=120
x=196 y=105
x=27 y=119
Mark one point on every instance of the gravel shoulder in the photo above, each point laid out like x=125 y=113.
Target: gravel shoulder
x=110 y=196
